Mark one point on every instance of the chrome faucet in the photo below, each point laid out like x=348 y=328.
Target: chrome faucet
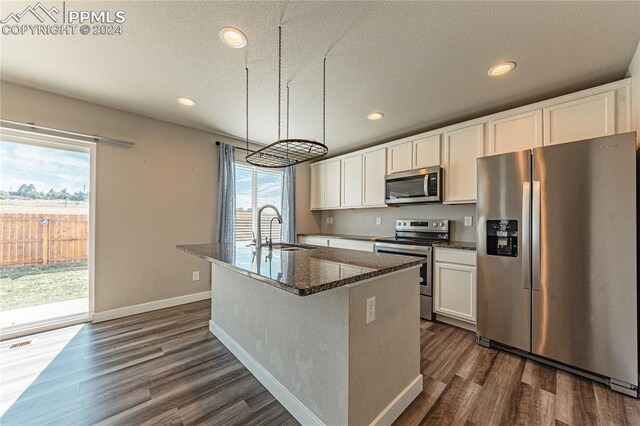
x=269 y=240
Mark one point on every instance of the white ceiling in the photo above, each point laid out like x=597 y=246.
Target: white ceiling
x=423 y=64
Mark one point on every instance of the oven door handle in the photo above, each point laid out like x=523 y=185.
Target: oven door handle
x=405 y=249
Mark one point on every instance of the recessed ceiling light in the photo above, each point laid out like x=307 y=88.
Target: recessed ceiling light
x=233 y=37
x=375 y=116
x=501 y=68
x=186 y=101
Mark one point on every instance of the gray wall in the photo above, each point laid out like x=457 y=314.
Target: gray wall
x=160 y=193
x=363 y=221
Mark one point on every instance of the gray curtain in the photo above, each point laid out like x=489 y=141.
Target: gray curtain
x=225 y=227
x=289 y=205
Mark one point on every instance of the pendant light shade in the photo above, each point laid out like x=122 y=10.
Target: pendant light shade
x=289 y=152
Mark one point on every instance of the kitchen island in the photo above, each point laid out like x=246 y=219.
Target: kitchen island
x=300 y=319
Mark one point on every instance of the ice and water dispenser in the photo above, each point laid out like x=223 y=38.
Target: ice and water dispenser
x=502 y=237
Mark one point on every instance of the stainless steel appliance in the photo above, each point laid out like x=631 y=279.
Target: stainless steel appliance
x=414 y=187
x=414 y=237
x=557 y=257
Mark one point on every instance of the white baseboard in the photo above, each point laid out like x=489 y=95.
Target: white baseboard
x=286 y=398
x=399 y=403
x=150 y=306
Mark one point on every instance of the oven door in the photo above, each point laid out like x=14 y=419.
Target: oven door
x=426 y=275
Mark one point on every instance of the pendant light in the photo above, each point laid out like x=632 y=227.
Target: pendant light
x=289 y=152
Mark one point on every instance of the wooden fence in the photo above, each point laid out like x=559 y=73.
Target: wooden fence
x=244 y=225
x=41 y=239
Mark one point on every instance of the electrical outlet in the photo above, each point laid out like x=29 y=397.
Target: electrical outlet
x=195 y=276
x=378 y=220
x=371 y=309
x=468 y=221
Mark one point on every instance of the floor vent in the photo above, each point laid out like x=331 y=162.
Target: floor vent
x=16 y=345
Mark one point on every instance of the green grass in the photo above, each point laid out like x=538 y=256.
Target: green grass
x=22 y=286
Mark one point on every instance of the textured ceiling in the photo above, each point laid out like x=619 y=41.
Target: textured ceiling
x=421 y=63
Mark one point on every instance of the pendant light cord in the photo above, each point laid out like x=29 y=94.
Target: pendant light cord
x=324 y=101
x=247 y=107
x=287 y=110
x=279 y=76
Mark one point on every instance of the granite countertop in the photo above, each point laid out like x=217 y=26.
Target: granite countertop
x=459 y=245
x=302 y=272
x=342 y=236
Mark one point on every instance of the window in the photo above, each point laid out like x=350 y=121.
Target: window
x=256 y=187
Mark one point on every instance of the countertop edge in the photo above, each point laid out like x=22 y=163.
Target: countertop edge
x=342 y=236
x=457 y=245
x=305 y=292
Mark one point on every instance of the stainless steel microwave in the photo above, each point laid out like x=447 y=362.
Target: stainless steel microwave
x=414 y=187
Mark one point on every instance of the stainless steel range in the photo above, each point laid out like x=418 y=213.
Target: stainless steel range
x=414 y=237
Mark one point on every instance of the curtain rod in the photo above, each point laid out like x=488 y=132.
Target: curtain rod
x=237 y=147
x=16 y=125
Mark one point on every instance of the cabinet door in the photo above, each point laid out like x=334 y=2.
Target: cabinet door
x=515 y=133
x=332 y=183
x=585 y=118
x=426 y=152
x=462 y=148
x=454 y=292
x=399 y=157
x=352 y=181
x=374 y=163
x=317 y=186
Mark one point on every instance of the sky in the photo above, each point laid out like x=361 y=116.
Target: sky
x=268 y=187
x=46 y=168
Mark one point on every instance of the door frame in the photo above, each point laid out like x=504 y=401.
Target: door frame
x=49 y=141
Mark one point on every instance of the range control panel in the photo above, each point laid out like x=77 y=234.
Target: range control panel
x=434 y=225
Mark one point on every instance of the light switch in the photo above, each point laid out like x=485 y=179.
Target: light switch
x=195 y=276
x=378 y=220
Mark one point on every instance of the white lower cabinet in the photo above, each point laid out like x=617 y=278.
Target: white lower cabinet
x=319 y=240
x=351 y=244
x=454 y=289
x=314 y=241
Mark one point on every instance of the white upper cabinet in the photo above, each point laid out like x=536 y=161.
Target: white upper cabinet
x=332 y=184
x=352 y=181
x=462 y=147
x=317 y=186
x=426 y=152
x=584 y=118
x=399 y=157
x=515 y=132
x=374 y=163
x=356 y=180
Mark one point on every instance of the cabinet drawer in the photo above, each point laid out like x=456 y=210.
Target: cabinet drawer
x=351 y=244
x=462 y=257
x=314 y=241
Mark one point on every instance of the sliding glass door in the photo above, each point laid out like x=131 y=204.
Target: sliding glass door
x=46 y=200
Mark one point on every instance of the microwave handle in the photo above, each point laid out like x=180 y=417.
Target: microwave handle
x=425 y=185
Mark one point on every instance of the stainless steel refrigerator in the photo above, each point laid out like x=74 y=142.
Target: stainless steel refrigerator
x=557 y=257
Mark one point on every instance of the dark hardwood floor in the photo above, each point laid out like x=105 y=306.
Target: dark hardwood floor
x=465 y=383
x=164 y=367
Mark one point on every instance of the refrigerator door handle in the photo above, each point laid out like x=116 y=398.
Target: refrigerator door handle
x=535 y=240
x=525 y=243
